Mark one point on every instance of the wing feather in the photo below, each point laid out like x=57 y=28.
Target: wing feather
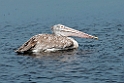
x=27 y=45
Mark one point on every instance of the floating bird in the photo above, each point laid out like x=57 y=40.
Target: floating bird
x=59 y=40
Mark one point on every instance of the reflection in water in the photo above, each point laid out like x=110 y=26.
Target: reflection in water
x=63 y=65
x=63 y=55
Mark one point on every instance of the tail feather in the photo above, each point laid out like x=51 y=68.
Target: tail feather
x=26 y=46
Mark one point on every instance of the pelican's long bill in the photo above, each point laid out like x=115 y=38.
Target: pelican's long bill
x=67 y=31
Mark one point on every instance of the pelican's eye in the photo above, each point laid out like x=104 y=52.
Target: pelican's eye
x=62 y=26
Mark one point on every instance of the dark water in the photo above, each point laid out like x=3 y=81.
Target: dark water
x=95 y=61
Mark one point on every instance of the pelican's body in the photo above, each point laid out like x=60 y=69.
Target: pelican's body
x=59 y=40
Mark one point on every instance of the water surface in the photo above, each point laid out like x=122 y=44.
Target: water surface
x=95 y=61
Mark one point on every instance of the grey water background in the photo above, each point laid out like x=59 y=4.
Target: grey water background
x=95 y=61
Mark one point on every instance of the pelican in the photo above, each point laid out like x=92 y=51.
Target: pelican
x=59 y=40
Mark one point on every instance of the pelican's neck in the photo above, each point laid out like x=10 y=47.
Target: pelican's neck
x=57 y=33
x=74 y=42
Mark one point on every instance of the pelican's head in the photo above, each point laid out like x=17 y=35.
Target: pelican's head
x=62 y=30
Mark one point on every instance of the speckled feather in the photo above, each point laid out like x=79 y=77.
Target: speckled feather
x=43 y=42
